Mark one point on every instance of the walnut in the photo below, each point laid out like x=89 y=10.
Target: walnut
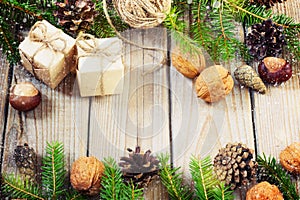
x=86 y=174
x=214 y=83
x=264 y=191
x=188 y=65
x=290 y=158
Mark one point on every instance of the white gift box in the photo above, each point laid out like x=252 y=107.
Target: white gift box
x=100 y=68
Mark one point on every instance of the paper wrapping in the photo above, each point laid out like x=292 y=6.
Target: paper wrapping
x=48 y=53
x=100 y=68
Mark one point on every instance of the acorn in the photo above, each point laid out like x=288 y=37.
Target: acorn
x=24 y=96
x=274 y=70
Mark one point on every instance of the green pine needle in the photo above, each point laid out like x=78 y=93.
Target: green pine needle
x=207 y=186
x=113 y=187
x=53 y=170
x=172 y=179
x=15 y=187
x=275 y=174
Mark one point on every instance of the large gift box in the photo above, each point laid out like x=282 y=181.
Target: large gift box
x=48 y=53
x=100 y=67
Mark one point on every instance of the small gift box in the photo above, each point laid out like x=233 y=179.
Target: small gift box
x=48 y=53
x=100 y=67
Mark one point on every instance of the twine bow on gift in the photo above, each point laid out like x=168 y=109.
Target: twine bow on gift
x=88 y=43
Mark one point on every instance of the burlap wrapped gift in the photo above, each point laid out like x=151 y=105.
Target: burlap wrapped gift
x=48 y=53
x=100 y=68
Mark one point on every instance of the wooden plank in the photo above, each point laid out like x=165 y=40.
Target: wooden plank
x=4 y=71
x=199 y=128
x=138 y=116
x=277 y=113
x=61 y=116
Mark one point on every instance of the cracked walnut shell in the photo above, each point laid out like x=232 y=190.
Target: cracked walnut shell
x=264 y=191
x=188 y=65
x=86 y=174
x=214 y=83
x=290 y=158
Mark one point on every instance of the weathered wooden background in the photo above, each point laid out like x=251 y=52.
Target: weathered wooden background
x=157 y=110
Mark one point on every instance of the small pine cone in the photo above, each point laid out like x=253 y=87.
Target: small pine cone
x=266 y=39
x=234 y=165
x=267 y=3
x=264 y=191
x=290 y=158
x=248 y=77
x=139 y=168
x=76 y=15
x=86 y=174
x=26 y=160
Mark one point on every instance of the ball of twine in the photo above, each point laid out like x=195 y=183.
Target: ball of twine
x=143 y=13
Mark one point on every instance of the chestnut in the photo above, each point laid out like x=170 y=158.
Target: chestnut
x=24 y=96
x=274 y=70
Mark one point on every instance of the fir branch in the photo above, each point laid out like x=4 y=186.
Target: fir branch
x=13 y=186
x=53 y=170
x=173 y=181
x=207 y=186
x=278 y=176
x=177 y=27
x=113 y=187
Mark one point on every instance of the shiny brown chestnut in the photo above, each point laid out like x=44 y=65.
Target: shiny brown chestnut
x=24 y=96
x=274 y=70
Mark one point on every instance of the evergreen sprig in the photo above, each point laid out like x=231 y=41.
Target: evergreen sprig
x=275 y=174
x=207 y=185
x=53 y=179
x=53 y=170
x=172 y=179
x=113 y=187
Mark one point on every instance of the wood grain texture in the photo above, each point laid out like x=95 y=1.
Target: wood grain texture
x=138 y=116
x=199 y=128
x=277 y=114
x=61 y=117
x=4 y=70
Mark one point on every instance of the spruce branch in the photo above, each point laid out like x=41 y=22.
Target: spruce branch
x=15 y=187
x=275 y=174
x=207 y=185
x=113 y=187
x=172 y=179
x=53 y=170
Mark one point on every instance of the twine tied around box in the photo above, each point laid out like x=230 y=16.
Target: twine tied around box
x=47 y=41
x=143 y=13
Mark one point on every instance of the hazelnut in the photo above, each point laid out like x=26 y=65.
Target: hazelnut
x=86 y=174
x=290 y=158
x=24 y=96
x=264 y=191
x=188 y=65
x=214 y=83
x=274 y=70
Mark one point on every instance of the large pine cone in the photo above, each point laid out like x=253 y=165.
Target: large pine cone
x=139 y=168
x=265 y=40
x=76 y=16
x=267 y=3
x=234 y=165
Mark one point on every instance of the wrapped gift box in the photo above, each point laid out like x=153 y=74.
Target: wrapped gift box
x=100 y=67
x=48 y=53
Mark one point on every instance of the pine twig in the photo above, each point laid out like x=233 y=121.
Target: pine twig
x=278 y=176
x=173 y=181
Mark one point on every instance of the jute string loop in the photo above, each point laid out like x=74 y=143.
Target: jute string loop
x=143 y=13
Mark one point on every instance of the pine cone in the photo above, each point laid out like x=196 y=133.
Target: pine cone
x=75 y=15
x=234 y=165
x=267 y=3
x=248 y=77
x=26 y=160
x=140 y=168
x=266 y=39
